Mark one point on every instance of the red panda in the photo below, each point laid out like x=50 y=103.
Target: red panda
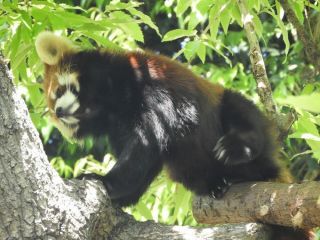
x=156 y=112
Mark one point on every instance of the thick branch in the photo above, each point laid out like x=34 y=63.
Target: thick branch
x=308 y=42
x=134 y=230
x=283 y=204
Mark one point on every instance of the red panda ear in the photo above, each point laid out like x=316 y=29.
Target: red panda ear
x=51 y=47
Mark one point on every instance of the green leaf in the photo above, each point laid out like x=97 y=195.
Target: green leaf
x=298 y=10
x=214 y=21
x=308 y=136
x=217 y=50
x=257 y=25
x=181 y=200
x=25 y=18
x=39 y=14
x=36 y=97
x=257 y=5
x=266 y=3
x=215 y=17
x=202 y=52
x=69 y=7
x=145 y=18
x=20 y=57
x=79 y=167
x=225 y=18
x=204 y=5
x=101 y=40
x=182 y=6
x=72 y=18
x=132 y=28
x=113 y=6
x=46 y=129
x=191 y=49
x=193 y=21
x=235 y=13
x=144 y=211
x=15 y=43
x=308 y=89
x=305 y=102
x=282 y=28
x=178 y=33
x=308 y=131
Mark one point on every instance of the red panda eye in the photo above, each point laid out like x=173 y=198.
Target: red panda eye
x=73 y=89
x=60 y=92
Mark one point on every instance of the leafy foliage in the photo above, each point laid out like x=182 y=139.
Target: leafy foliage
x=206 y=33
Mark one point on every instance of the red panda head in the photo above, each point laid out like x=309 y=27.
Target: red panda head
x=61 y=85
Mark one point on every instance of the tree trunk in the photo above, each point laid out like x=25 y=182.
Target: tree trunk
x=36 y=203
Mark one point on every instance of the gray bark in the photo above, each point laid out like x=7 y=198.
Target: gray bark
x=291 y=205
x=309 y=43
x=284 y=121
x=36 y=203
x=257 y=62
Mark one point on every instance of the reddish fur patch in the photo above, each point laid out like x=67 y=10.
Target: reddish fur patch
x=50 y=83
x=136 y=66
x=134 y=62
x=156 y=72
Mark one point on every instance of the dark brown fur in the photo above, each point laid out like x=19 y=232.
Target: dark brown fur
x=155 y=111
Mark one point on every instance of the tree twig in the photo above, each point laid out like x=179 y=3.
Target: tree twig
x=308 y=42
x=257 y=62
x=283 y=121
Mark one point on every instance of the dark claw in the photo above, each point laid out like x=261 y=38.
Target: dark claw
x=220 y=189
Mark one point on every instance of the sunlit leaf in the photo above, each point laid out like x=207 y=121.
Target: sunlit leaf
x=145 y=18
x=131 y=28
x=235 y=13
x=191 y=49
x=214 y=20
x=306 y=102
x=182 y=6
x=225 y=19
x=202 y=52
x=178 y=33
x=257 y=25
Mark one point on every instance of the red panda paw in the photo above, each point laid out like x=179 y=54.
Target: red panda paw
x=231 y=150
x=219 y=188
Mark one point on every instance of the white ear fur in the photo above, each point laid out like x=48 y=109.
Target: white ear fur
x=51 y=47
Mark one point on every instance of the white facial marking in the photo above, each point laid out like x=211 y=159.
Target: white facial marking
x=70 y=120
x=66 y=100
x=53 y=96
x=74 y=107
x=68 y=78
x=66 y=131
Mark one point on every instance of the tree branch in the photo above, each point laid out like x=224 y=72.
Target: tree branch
x=284 y=122
x=134 y=230
x=308 y=42
x=257 y=62
x=292 y=205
